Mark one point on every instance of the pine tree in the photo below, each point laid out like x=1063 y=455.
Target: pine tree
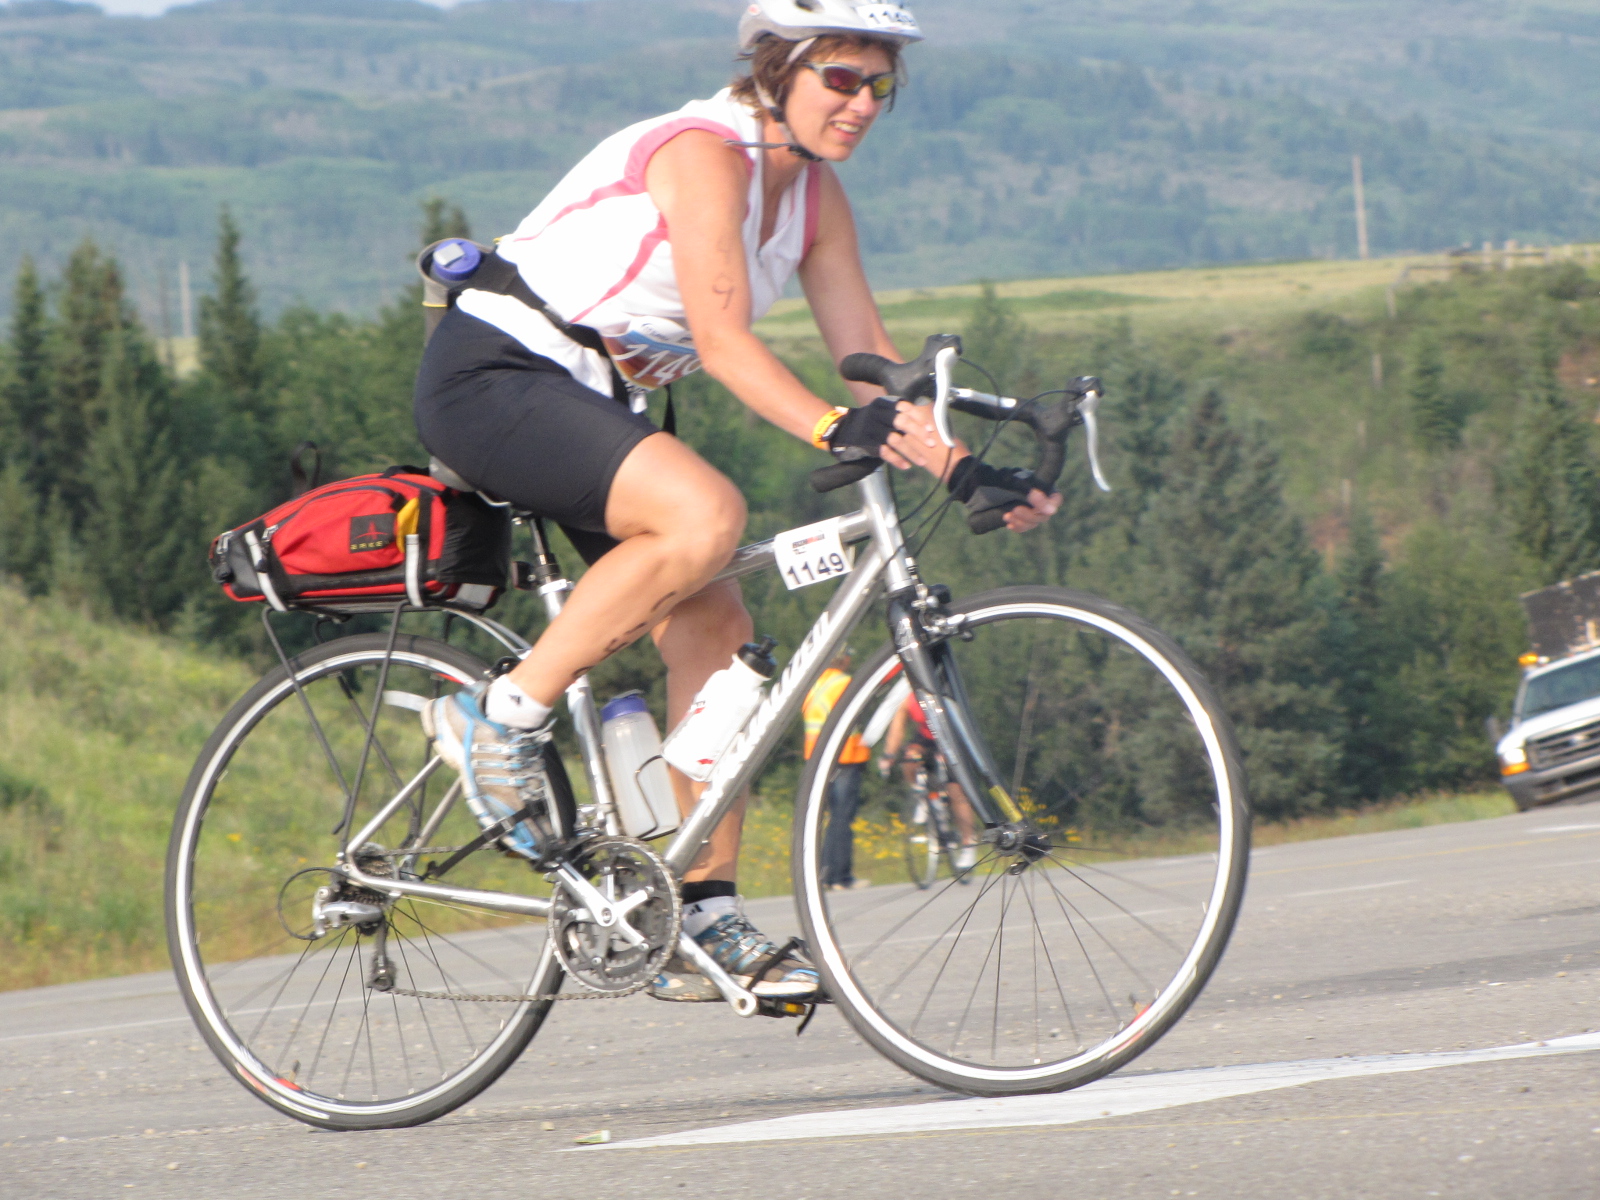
x=1551 y=486
x=441 y=219
x=1435 y=417
x=1226 y=568
x=25 y=410
x=997 y=338
x=24 y=415
x=91 y=311
x=1364 y=666
x=139 y=533
x=231 y=358
x=22 y=541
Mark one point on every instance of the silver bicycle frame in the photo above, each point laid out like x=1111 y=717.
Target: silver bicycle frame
x=883 y=562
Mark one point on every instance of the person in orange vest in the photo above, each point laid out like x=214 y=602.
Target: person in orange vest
x=844 y=794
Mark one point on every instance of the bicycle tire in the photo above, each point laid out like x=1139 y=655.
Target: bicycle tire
x=253 y=818
x=1134 y=906
x=922 y=841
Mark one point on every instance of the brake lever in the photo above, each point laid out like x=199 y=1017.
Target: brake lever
x=944 y=363
x=1087 y=408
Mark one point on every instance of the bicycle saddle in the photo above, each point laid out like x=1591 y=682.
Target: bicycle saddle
x=448 y=477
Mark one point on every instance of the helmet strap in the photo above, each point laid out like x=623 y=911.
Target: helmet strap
x=792 y=144
x=800 y=48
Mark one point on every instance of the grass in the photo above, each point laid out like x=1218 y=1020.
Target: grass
x=764 y=857
x=952 y=303
x=1152 y=301
x=99 y=725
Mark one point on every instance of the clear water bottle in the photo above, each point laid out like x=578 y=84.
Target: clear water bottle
x=640 y=782
x=719 y=711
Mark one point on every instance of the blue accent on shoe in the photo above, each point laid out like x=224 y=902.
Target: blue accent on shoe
x=517 y=744
x=739 y=947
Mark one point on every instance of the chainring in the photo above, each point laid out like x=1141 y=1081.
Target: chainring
x=602 y=959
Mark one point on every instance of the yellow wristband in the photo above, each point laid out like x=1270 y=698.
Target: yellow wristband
x=825 y=425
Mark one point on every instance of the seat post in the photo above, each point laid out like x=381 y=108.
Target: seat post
x=551 y=585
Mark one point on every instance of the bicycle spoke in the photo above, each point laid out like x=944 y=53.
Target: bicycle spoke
x=950 y=953
x=1129 y=913
x=1088 y=959
x=977 y=977
x=1050 y=961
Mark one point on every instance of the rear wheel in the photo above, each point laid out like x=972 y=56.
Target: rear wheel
x=294 y=976
x=1050 y=970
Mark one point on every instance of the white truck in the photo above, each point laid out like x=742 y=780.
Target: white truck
x=1551 y=752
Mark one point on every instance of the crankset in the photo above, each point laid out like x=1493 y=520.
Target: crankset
x=616 y=916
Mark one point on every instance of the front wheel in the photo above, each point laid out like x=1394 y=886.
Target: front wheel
x=1054 y=968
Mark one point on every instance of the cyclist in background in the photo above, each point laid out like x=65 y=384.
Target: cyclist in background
x=663 y=245
x=844 y=790
x=909 y=722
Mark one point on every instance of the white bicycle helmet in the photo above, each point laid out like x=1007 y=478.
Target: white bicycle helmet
x=803 y=20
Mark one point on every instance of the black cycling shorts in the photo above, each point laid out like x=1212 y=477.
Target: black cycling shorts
x=517 y=425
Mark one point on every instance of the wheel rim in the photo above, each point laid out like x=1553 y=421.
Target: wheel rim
x=296 y=1018
x=1067 y=968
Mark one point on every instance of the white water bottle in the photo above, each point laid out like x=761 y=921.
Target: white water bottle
x=719 y=711
x=640 y=784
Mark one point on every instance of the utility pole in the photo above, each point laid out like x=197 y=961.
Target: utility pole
x=1361 y=206
x=185 y=300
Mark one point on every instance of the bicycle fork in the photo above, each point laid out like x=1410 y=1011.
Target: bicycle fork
x=921 y=637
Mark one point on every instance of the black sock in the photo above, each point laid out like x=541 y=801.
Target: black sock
x=693 y=893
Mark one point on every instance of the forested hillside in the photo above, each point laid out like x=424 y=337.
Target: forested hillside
x=1340 y=548
x=1076 y=136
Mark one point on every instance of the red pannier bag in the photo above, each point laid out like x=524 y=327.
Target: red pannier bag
x=399 y=534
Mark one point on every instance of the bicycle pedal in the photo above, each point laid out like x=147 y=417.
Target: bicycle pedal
x=804 y=1009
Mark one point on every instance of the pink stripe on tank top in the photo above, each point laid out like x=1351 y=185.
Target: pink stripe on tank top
x=647 y=247
x=632 y=181
x=813 y=205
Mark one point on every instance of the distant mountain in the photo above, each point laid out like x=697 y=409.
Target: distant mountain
x=1034 y=138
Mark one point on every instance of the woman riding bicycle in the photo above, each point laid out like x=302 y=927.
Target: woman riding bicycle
x=669 y=239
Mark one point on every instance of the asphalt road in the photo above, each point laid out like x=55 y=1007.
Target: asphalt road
x=1429 y=944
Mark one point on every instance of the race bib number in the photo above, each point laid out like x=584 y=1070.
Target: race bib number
x=653 y=352
x=890 y=18
x=811 y=554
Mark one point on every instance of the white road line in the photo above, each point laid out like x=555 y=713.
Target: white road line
x=1566 y=828
x=1114 y=1097
x=93 y=1029
x=1361 y=887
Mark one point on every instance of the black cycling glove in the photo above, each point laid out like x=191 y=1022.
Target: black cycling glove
x=983 y=488
x=862 y=431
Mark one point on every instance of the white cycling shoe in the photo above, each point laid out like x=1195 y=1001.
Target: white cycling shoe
x=502 y=769
x=739 y=948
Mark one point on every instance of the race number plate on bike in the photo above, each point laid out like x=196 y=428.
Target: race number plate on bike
x=811 y=554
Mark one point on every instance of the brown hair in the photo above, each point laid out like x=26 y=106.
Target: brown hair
x=770 y=66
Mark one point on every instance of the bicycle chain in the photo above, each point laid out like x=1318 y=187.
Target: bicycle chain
x=630 y=990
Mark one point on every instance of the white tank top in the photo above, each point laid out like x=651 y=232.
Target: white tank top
x=596 y=250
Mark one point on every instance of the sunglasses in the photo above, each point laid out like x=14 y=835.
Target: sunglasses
x=837 y=77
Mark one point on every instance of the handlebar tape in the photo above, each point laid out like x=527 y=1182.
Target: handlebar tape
x=909 y=380
x=837 y=475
